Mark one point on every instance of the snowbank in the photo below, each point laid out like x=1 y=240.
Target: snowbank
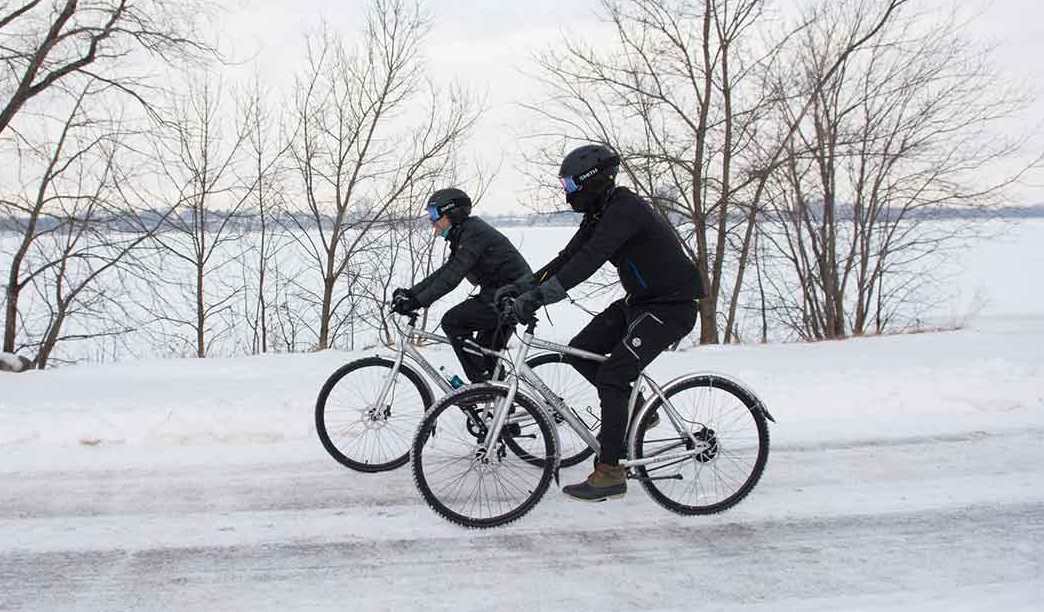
x=988 y=378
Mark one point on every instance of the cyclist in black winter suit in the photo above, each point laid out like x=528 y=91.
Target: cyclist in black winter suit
x=482 y=255
x=662 y=285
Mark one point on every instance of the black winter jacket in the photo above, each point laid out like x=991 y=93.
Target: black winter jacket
x=648 y=256
x=479 y=253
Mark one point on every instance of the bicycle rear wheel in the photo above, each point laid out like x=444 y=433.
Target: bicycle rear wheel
x=729 y=426
x=468 y=487
x=357 y=432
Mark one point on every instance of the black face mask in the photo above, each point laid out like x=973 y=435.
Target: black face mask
x=591 y=197
x=582 y=202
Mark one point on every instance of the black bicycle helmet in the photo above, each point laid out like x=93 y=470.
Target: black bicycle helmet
x=450 y=202
x=587 y=173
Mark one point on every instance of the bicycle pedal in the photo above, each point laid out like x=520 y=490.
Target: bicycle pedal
x=652 y=478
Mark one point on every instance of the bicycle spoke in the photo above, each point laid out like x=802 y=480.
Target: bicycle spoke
x=361 y=434
x=464 y=482
x=729 y=458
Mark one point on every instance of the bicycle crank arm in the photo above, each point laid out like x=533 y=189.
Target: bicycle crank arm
x=648 y=478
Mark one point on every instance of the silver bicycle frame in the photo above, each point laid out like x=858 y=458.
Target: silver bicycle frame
x=523 y=372
x=406 y=350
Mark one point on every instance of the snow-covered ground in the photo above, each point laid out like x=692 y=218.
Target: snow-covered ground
x=906 y=472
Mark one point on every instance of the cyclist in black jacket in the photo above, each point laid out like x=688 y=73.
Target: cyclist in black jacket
x=662 y=285
x=482 y=255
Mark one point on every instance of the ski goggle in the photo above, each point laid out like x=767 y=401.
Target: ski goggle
x=569 y=184
x=433 y=213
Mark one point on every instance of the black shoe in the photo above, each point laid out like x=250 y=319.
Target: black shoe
x=606 y=482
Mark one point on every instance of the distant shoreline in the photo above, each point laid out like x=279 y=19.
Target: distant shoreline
x=249 y=219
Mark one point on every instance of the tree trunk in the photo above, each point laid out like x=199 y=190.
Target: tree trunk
x=741 y=267
x=709 y=304
x=201 y=349
x=11 y=312
x=326 y=314
x=51 y=340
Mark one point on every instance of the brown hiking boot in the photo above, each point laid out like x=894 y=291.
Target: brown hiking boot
x=606 y=482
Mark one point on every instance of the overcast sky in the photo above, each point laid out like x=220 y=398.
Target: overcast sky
x=487 y=45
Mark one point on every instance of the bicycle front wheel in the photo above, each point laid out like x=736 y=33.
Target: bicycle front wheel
x=468 y=486
x=357 y=431
x=724 y=436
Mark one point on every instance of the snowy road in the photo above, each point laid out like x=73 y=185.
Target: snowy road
x=948 y=522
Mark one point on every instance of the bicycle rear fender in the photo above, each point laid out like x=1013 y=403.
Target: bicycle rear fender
x=743 y=386
x=728 y=379
x=740 y=385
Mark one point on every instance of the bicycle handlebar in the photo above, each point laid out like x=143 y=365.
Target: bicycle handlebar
x=506 y=310
x=413 y=315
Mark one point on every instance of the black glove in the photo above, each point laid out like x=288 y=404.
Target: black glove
x=404 y=302
x=528 y=303
x=525 y=306
x=515 y=289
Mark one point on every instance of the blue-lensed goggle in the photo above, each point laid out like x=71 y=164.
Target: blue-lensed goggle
x=569 y=184
x=433 y=213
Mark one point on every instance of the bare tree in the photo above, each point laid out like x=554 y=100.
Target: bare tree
x=681 y=96
x=76 y=54
x=200 y=162
x=374 y=292
x=264 y=179
x=904 y=129
x=287 y=331
x=47 y=45
x=354 y=155
x=76 y=227
x=424 y=252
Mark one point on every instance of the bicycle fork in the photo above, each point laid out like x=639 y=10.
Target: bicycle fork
x=392 y=376
x=503 y=408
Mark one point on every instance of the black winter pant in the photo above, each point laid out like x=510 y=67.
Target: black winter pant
x=475 y=319
x=632 y=336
